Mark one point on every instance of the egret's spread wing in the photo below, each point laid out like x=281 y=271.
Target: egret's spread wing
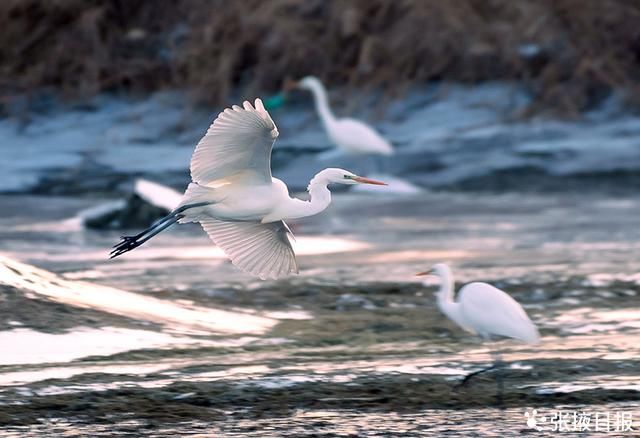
x=263 y=250
x=238 y=143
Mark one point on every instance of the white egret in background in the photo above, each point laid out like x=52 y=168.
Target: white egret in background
x=351 y=136
x=237 y=201
x=484 y=310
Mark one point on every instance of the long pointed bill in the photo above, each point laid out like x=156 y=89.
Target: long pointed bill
x=420 y=274
x=363 y=180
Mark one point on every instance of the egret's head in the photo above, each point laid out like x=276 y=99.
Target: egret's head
x=440 y=270
x=341 y=176
x=308 y=83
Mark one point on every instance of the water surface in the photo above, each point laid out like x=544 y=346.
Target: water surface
x=173 y=339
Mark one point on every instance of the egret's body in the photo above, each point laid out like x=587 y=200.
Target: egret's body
x=237 y=201
x=351 y=136
x=484 y=310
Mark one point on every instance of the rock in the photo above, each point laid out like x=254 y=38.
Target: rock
x=149 y=202
x=136 y=213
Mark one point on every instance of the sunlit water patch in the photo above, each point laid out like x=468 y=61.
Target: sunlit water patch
x=179 y=316
x=24 y=346
x=592 y=382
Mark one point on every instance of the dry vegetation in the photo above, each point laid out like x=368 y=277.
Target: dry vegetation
x=577 y=50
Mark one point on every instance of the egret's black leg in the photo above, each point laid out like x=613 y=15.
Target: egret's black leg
x=497 y=365
x=154 y=225
x=164 y=219
x=131 y=242
x=500 y=386
x=469 y=376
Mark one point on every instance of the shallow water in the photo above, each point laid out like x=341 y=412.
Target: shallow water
x=182 y=342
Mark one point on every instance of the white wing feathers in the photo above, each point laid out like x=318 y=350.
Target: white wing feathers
x=263 y=250
x=492 y=311
x=238 y=143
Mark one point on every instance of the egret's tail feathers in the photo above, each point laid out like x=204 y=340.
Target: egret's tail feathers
x=196 y=193
x=530 y=334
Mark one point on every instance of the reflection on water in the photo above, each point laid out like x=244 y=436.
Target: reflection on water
x=586 y=320
x=24 y=346
x=179 y=316
x=591 y=382
x=32 y=374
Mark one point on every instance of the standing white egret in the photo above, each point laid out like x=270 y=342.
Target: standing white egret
x=349 y=135
x=484 y=310
x=237 y=201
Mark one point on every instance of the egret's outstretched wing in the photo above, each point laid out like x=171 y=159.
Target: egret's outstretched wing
x=237 y=144
x=263 y=250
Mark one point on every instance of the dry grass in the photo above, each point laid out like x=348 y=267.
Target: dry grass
x=81 y=47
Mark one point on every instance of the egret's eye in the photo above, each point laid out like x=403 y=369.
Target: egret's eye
x=347 y=177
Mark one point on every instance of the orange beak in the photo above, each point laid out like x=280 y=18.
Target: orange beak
x=420 y=274
x=368 y=181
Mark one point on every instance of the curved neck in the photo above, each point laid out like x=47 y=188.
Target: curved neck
x=445 y=296
x=322 y=103
x=320 y=198
x=446 y=292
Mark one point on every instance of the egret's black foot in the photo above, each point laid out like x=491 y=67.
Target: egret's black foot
x=126 y=244
x=499 y=380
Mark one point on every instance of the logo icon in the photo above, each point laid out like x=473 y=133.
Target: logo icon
x=532 y=421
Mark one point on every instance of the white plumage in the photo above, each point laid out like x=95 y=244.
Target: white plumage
x=351 y=136
x=263 y=250
x=238 y=143
x=483 y=309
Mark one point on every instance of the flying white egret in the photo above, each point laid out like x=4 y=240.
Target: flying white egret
x=484 y=310
x=237 y=201
x=349 y=135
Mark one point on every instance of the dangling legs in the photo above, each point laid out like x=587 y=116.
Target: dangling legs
x=131 y=242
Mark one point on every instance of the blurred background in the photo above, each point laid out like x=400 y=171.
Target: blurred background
x=517 y=161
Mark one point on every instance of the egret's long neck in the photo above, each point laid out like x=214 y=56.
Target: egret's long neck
x=445 y=296
x=320 y=199
x=322 y=104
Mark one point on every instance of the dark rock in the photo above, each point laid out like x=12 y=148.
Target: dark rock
x=137 y=213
